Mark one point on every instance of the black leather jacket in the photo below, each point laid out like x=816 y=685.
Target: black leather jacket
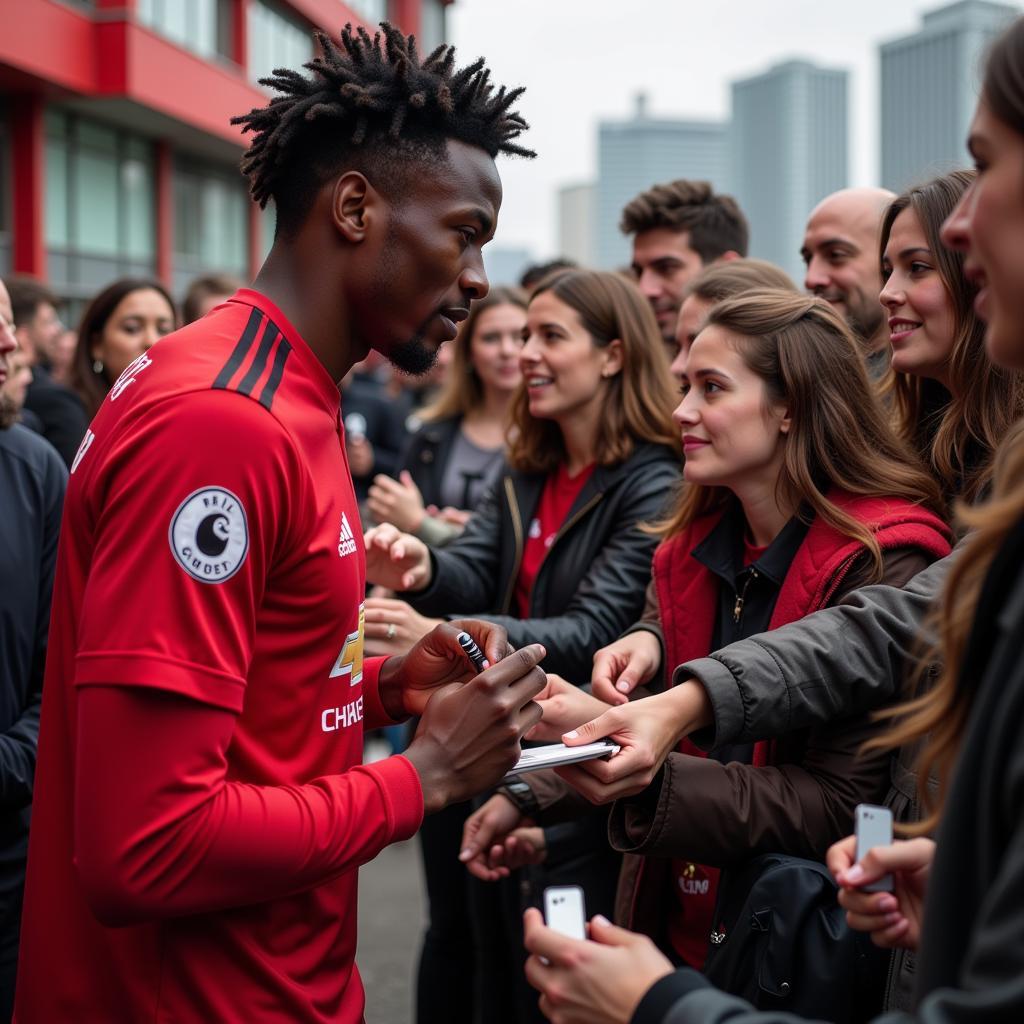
x=590 y=586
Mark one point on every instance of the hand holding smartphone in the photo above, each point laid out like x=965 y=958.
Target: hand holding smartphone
x=873 y=827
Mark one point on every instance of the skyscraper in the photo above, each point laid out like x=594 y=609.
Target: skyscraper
x=577 y=219
x=633 y=155
x=789 y=150
x=929 y=88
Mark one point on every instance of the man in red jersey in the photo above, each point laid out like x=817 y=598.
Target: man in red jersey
x=201 y=807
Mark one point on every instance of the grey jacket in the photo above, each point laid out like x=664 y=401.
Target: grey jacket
x=835 y=663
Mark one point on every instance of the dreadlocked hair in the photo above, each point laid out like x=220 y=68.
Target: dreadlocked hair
x=368 y=95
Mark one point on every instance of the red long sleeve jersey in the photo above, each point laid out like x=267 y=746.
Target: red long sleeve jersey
x=211 y=549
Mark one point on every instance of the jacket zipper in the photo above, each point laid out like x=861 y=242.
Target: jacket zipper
x=517 y=529
x=829 y=588
x=737 y=610
x=569 y=523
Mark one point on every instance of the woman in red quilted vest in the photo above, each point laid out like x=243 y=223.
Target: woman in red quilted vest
x=797 y=492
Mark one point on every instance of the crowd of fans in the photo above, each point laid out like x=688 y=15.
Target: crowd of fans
x=726 y=508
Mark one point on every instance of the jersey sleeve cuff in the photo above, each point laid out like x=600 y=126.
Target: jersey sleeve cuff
x=375 y=716
x=400 y=785
x=158 y=672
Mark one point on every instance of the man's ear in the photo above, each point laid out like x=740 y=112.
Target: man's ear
x=355 y=205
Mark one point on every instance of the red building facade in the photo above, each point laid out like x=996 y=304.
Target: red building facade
x=117 y=155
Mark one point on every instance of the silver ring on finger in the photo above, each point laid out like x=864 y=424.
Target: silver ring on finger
x=391 y=631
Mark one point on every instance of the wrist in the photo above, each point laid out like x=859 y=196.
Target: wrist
x=391 y=689
x=434 y=781
x=522 y=797
x=690 y=707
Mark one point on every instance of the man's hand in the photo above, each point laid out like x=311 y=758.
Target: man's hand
x=392 y=626
x=498 y=838
x=647 y=730
x=436 y=660
x=396 y=501
x=892 y=918
x=469 y=735
x=597 y=982
x=395 y=559
x=624 y=665
x=565 y=707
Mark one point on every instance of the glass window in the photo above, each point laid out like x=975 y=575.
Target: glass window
x=211 y=220
x=100 y=202
x=138 y=187
x=56 y=209
x=203 y=26
x=95 y=192
x=275 y=41
x=373 y=11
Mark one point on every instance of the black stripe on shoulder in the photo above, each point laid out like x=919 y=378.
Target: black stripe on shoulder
x=230 y=368
x=276 y=373
x=253 y=374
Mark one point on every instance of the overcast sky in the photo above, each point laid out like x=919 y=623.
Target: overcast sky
x=585 y=60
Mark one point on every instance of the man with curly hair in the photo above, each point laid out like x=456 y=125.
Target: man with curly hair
x=201 y=806
x=678 y=229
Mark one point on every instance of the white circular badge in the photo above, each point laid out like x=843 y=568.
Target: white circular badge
x=209 y=535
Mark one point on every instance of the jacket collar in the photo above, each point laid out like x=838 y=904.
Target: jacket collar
x=529 y=486
x=721 y=550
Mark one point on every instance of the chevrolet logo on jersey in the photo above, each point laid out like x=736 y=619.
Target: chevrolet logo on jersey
x=350 y=661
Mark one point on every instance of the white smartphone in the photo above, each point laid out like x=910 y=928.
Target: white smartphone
x=564 y=911
x=533 y=759
x=873 y=827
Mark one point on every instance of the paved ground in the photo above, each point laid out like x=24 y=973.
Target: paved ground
x=390 y=926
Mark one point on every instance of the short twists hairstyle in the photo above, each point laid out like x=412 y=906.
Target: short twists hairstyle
x=371 y=104
x=715 y=222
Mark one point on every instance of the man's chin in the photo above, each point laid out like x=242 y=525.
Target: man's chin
x=414 y=357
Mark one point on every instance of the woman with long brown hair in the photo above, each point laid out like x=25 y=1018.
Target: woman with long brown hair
x=949 y=401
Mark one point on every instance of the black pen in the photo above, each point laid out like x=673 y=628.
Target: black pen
x=473 y=652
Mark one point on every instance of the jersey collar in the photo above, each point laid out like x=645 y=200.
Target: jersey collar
x=312 y=368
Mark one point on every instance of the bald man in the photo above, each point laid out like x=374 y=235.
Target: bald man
x=840 y=252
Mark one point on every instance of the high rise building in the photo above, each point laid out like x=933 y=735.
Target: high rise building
x=929 y=88
x=505 y=264
x=577 y=220
x=117 y=155
x=789 y=150
x=633 y=155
